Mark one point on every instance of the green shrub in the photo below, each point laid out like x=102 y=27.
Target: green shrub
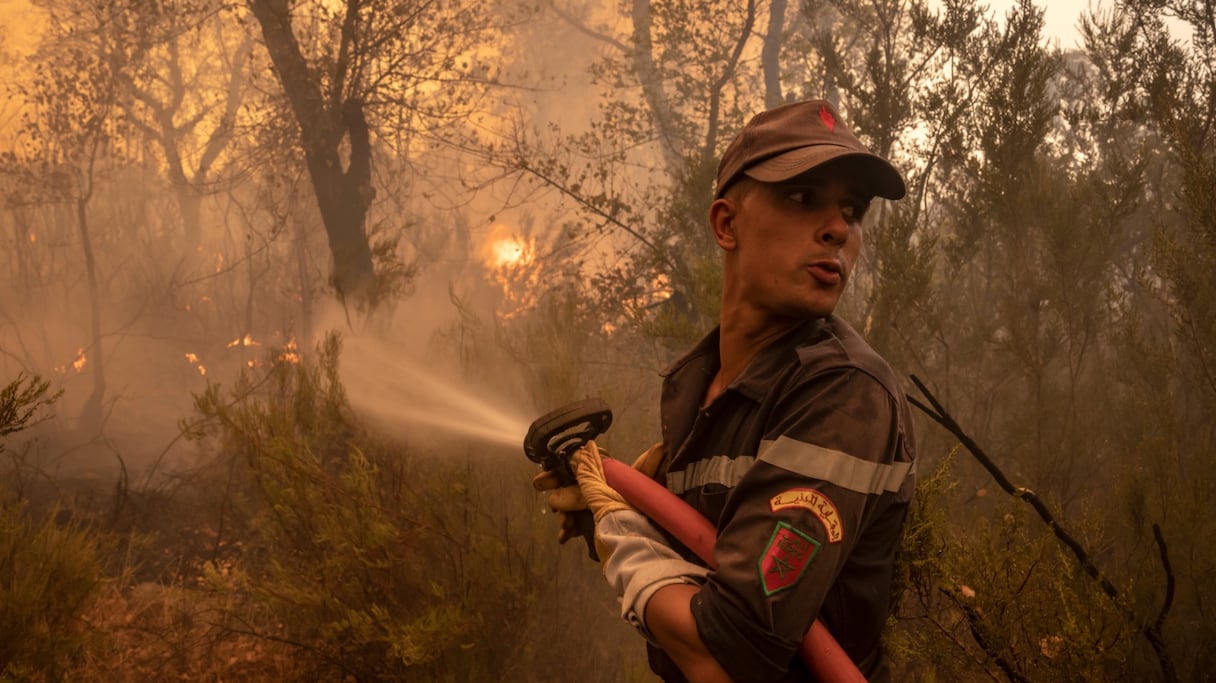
x=49 y=572
x=49 y=576
x=373 y=559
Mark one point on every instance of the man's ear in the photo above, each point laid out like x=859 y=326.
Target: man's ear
x=722 y=220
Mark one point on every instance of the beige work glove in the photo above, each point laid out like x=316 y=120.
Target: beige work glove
x=567 y=500
x=635 y=556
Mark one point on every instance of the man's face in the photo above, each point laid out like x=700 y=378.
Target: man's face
x=795 y=244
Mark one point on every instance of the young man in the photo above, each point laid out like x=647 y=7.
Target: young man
x=782 y=426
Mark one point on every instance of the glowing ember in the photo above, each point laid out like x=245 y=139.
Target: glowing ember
x=201 y=370
x=33 y=237
x=191 y=358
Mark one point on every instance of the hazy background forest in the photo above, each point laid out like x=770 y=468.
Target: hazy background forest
x=284 y=282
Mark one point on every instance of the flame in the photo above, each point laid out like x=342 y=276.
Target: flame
x=247 y=340
x=507 y=252
x=658 y=290
x=504 y=249
x=77 y=365
x=290 y=352
x=193 y=360
x=509 y=260
x=219 y=261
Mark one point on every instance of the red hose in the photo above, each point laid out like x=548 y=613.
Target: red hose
x=822 y=654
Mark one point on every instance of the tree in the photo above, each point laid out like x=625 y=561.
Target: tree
x=674 y=88
x=172 y=95
x=1153 y=111
x=70 y=130
x=348 y=69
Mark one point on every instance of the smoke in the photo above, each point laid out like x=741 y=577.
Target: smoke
x=171 y=311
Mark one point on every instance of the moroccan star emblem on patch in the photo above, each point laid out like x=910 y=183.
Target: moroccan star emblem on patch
x=786 y=558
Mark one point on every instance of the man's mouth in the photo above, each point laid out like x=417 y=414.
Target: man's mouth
x=828 y=272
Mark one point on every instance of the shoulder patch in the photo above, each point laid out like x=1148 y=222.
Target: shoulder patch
x=819 y=505
x=786 y=558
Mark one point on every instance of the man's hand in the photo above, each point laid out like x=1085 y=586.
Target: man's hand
x=648 y=462
x=567 y=500
x=564 y=500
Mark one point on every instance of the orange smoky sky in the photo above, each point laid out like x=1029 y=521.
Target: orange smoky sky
x=20 y=25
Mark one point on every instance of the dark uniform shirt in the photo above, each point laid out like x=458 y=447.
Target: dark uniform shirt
x=805 y=466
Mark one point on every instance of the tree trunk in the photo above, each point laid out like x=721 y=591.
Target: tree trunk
x=652 y=88
x=90 y=415
x=770 y=54
x=343 y=197
x=188 y=200
x=303 y=327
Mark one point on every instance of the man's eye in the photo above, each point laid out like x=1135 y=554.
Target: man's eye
x=854 y=211
x=804 y=197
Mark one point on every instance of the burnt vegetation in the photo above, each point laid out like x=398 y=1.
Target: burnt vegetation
x=202 y=204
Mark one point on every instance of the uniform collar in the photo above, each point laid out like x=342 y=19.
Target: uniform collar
x=775 y=360
x=758 y=378
x=708 y=346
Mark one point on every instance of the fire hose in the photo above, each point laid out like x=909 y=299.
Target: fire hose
x=554 y=437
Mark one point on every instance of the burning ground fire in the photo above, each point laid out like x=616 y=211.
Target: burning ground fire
x=288 y=353
x=76 y=366
x=247 y=340
x=193 y=360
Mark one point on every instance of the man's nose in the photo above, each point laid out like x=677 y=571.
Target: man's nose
x=835 y=229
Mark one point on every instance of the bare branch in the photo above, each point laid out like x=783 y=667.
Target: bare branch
x=1151 y=632
x=973 y=624
x=1168 y=602
x=586 y=30
x=728 y=74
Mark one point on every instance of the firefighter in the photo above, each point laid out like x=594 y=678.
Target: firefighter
x=782 y=426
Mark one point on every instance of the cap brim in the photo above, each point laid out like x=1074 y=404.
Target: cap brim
x=876 y=175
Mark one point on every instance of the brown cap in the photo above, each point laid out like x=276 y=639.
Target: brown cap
x=794 y=138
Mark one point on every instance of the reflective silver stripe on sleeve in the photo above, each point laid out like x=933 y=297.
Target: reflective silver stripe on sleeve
x=719 y=469
x=835 y=467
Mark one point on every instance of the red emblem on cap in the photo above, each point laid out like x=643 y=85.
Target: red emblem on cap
x=828 y=119
x=786 y=558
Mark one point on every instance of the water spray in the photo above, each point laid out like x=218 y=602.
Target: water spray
x=395 y=391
